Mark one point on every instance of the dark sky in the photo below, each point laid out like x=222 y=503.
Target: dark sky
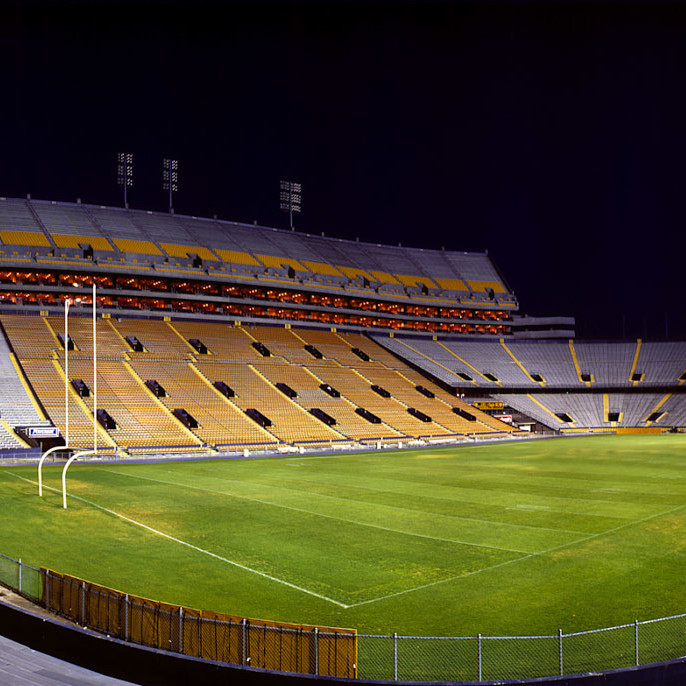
x=550 y=134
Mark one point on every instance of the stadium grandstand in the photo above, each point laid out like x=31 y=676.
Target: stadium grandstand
x=214 y=336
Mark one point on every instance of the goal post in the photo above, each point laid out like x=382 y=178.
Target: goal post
x=44 y=456
x=75 y=456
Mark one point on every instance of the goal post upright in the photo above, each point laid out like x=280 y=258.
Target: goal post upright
x=44 y=456
x=75 y=456
x=95 y=380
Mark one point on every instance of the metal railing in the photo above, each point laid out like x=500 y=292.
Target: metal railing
x=417 y=658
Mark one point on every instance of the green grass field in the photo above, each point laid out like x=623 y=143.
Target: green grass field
x=521 y=538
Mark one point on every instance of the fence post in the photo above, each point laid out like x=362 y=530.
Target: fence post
x=316 y=651
x=395 y=656
x=180 y=629
x=559 y=633
x=480 y=663
x=636 y=639
x=83 y=603
x=46 y=583
x=126 y=617
x=244 y=646
x=19 y=575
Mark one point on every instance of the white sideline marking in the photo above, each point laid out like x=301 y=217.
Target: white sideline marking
x=318 y=514
x=191 y=546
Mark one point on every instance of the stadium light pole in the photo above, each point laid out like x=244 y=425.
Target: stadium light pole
x=125 y=173
x=170 y=179
x=290 y=199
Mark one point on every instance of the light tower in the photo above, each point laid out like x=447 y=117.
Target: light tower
x=290 y=199
x=170 y=179
x=125 y=173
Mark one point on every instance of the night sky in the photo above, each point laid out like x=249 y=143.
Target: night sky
x=550 y=134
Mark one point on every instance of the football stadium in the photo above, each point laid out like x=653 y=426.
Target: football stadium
x=233 y=445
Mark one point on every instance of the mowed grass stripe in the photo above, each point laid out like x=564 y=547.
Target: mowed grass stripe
x=383 y=517
x=347 y=494
x=521 y=486
x=87 y=542
x=588 y=462
x=407 y=488
x=390 y=595
x=543 y=553
x=525 y=516
x=414 y=519
x=334 y=558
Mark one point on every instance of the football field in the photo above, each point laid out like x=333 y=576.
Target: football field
x=509 y=539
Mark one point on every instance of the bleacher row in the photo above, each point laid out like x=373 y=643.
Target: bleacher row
x=58 y=233
x=571 y=411
x=544 y=364
x=145 y=418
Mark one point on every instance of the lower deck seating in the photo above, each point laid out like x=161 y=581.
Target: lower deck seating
x=592 y=410
x=307 y=385
x=220 y=422
x=48 y=386
x=141 y=420
x=290 y=422
x=146 y=422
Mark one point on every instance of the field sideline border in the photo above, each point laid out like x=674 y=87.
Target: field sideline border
x=654 y=674
x=155 y=458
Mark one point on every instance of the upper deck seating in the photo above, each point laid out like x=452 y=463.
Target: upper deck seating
x=16 y=216
x=330 y=261
x=63 y=219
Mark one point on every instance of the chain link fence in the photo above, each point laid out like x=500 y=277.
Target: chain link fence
x=384 y=657
x=20 y=577
x=496 y=658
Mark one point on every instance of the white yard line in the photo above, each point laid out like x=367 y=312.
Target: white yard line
x=526 y=557
x=190 y=545
x=318 y=514
x=440 y=581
